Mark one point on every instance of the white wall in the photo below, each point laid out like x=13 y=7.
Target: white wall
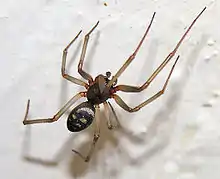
x=177 y=136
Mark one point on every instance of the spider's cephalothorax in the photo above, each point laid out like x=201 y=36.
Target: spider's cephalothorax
x=102 y=88
x=99 y=92
x=81 y=117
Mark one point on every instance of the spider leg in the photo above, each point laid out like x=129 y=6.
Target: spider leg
x=63 y=67
x=127 y=88
x=95 y=136
x=115 y=115
x=107 y=107
x=82 y=57
x=57 y=115
x=131 y=58
x=122 y=104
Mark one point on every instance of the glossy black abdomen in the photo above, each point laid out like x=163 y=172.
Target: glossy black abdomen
x=81 y=117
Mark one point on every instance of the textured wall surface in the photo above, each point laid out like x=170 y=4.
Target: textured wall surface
x=175 y=137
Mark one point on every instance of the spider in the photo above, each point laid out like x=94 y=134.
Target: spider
x=100 y=89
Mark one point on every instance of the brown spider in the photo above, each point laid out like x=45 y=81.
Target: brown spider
x=101 y=89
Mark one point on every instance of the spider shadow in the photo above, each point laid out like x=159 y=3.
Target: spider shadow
x=163 y=123
x=75 y=165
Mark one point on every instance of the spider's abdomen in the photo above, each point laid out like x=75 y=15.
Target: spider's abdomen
x=81 y=117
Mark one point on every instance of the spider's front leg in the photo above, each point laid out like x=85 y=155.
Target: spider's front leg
x=82 y=57
x=127 y=88
x=63 y=66
x=57 y=115
x=122 y=104
x=132 y=56
x=95 y=136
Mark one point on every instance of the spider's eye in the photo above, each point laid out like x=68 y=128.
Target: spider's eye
x=80 y=117
x=108 y=74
